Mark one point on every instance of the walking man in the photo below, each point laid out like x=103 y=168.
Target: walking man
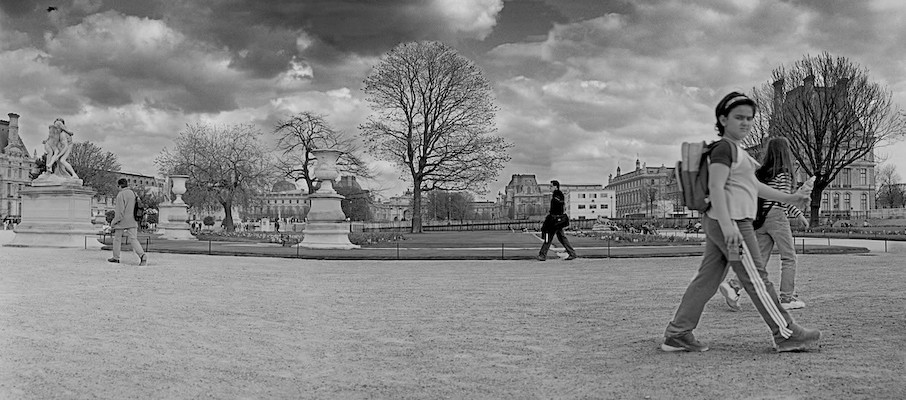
x=554 y=223
x=124 y=224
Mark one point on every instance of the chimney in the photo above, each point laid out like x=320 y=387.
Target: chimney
x=809 y=81
x=15 y=146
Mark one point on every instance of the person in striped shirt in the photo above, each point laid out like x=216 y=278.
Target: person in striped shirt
x=776 y=171
x=730 y=240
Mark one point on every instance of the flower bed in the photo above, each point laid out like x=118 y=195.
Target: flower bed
x=636 y=239
x=290 y=239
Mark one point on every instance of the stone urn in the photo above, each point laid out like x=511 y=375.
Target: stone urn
x=326 y=170
x=179 y=187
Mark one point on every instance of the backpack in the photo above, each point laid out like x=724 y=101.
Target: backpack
x=139 y=212
x=692 y=174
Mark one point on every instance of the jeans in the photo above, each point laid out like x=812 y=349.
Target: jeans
x=131 y=235
x=776 y=232
x=713 y=269
x=549 y=238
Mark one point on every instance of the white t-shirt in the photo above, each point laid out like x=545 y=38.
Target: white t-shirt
x=742 y=185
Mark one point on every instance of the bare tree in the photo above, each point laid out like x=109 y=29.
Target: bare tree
x=831 y=112
x=300 y=134
x=226 y=166
x=434 y=118
x=97 y=168
x=890 y=193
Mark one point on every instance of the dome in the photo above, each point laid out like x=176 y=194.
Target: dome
x=283 y=186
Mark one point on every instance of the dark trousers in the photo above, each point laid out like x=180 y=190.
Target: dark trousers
x=549 y=238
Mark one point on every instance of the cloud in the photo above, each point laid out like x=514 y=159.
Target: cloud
x=126 y=58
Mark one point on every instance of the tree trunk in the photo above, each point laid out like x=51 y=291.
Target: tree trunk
x=815 y=204
x=416 y=207
x=227 y=216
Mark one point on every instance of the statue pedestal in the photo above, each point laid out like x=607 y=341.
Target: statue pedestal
x=172 y=222
x=56 y=215
x=327 y=227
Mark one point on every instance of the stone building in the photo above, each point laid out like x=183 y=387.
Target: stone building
x=15 y=167
x=525 y=198
x=646 y=192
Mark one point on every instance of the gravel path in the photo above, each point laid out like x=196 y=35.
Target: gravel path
x=194 y=326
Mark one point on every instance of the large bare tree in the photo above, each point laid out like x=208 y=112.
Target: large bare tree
x=832 y=113
x=96 y=167
x=226 y=165
x=299 y=134
x=434 y=118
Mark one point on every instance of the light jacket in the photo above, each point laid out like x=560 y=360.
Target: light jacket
x=124 y=206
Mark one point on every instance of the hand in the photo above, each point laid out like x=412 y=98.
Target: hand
x=732 y=237
x=800 y=200
x=802 y=221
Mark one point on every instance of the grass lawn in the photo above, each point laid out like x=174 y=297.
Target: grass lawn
x=194 y=326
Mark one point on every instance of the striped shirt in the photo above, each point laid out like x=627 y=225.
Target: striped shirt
x=783 y=183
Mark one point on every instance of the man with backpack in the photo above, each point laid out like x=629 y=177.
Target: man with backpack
x=124 y=223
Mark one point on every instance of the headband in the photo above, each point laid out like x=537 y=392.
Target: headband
x=735 y=100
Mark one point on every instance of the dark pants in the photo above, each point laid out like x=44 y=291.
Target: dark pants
x=549 y=238
x=751 y=273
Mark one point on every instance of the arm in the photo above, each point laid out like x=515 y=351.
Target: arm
x=717 y=180
x=119 y=207
x=767 y=192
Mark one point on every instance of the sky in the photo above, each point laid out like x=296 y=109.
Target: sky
x=582 y=86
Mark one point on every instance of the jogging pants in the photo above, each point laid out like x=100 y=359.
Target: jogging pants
x=751 y=273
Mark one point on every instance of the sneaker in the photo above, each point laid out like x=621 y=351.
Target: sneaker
x=730 y=295
x=686 y=342
x=791 y=302
x=144 y=260
x=542 y=258
x=800 y=339
x=113 y=260
x=572 y=257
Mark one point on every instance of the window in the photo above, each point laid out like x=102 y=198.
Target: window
x=863 y=203
x=593 y=206
x=594 y=195
x=604 y=206
x=847 y=182
x=581 y=195
x=581 y=206
x=847 y=199
x=824 y=201
x=836 y=201
x=863 y=176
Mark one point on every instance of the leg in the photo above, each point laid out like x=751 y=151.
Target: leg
x=783 y=239
x=565 y=242
x=710 y=273
x=548 y=239
x=133 y=241
x=754 y=279
x=117 y=241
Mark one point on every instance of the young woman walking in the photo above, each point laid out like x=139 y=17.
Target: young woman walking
x=729 y=236
x=777 y=172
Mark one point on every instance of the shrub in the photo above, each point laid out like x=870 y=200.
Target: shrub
x=209 y=220
x=109 y=215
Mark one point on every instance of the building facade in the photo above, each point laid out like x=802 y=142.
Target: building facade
x=15 y=167
x=646 y=192
x=589 y=201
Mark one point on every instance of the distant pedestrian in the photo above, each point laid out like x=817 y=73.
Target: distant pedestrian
x=277 y=225
x=554 y=223
x=124 y=224
x=730 y=237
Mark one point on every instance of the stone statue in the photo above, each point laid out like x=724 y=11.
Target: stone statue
x=57 y=147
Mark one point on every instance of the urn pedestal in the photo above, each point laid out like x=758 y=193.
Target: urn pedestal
x=173 y=216
x=327 y=227
x=56 y=215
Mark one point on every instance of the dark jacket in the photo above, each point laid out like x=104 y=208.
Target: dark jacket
x=556 y=219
